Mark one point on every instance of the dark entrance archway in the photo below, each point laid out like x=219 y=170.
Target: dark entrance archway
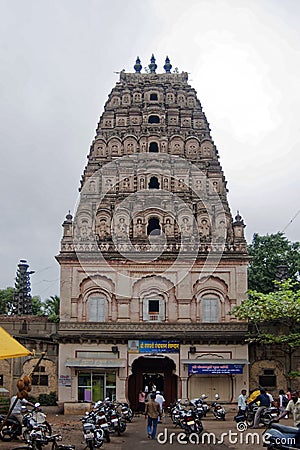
x=156 y=370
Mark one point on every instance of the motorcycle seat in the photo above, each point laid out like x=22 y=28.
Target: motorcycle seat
x=286 y=429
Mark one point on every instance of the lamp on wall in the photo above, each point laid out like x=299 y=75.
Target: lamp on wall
x=114 y=349
x=193 y=350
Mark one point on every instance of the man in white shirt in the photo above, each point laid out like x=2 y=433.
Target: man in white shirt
x=160 y=400
x=242 y=404
x=16 y=405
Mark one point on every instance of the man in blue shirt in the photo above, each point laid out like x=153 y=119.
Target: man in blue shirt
x=264 y=402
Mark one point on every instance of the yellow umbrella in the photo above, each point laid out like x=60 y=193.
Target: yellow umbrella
x=10 y=347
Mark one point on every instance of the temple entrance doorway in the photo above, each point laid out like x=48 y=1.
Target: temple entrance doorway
x=152 y=372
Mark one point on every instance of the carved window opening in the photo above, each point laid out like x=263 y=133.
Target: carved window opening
x=154 y=119
x=210 y=309
x=153 y=227
x=153 y=147
x=153 y=97
x=153 y=183
x=39 y=378
x=96 y=309
x=268 y=379
x=154 y=309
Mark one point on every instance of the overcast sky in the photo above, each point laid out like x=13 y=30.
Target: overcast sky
x=58 y=60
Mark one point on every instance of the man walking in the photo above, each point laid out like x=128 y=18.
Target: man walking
x=242 y=403
x=160 y=399
x=293 y=407
x=152 y=411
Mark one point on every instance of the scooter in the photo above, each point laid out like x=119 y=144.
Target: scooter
x=281 y=437
x=218 y=410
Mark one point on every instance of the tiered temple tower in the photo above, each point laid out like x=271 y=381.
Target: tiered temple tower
x=153 y=261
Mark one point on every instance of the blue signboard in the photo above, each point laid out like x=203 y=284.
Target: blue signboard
x=215 y=369
x=155 y=346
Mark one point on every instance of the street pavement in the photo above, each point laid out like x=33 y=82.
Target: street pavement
x=217 y=435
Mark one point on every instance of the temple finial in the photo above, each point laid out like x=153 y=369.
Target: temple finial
x=152 y=66
x=138 y=66
x=168 y=65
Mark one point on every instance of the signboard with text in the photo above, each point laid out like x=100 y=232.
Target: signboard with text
x=155 y=346
x=215 y=369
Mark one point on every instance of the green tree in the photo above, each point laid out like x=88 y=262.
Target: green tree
x=6 y=300
x=37 y=306
x=273 y=318
x=52 y=307
x=267 y=253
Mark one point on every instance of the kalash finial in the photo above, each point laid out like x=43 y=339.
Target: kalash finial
x=168 y=65
x=152 y=66
x=138 y=66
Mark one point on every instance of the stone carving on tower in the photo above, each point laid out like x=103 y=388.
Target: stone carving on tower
x=153 y=169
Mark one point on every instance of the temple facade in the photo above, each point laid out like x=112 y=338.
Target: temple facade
x=152 y=261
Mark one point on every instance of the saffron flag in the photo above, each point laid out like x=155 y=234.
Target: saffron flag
x=10 y=347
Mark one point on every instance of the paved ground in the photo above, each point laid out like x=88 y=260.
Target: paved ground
x=216 y=436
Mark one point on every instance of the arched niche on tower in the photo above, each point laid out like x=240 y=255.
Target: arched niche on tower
x=168 y=227
x=154 y=183
x=114 y=147
x=99 y=148
x=181 y=99
x=206 y=149
x=149 y=288
x=176 y=145
x=212 y=301
x=130 y=145
x=204 y=227
x=120 y=224
x=102 y=225
x=192 y=146
x=96 y=287
x=138 y=227
x=154 y=226
x=83 y=225
x=153 y=147
x=115 y=101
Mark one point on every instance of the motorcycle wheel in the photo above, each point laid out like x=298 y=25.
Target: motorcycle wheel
x=250 y=421
x=7 y=434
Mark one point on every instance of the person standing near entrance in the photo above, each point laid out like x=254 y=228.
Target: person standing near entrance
x=141 y=404
x=152 y=412
x=160 y=399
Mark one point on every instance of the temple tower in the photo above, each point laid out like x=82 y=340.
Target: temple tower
x=152 y=261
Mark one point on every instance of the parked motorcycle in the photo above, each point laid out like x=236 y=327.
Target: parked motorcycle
x=11 y=429
x=116 y=423
x=125 y=411
x=190 y=422
x=33 y=418
x=92 y=433
x=281 y=437
x=36 y=442
x=102 y=421
x=217 y=409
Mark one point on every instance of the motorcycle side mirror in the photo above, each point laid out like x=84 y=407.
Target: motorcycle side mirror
x=217 y=396
x=37 y=405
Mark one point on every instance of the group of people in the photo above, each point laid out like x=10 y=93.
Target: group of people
x=288 y=403
x=151 y=404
